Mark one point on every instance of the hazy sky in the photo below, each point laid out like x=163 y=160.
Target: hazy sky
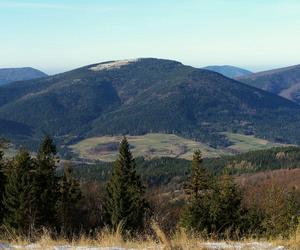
x=57 y=35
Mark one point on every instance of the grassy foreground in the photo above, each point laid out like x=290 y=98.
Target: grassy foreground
x=158 y=240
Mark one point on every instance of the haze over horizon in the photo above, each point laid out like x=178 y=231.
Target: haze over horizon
x=55 y=36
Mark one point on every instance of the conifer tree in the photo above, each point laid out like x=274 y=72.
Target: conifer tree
x=69 y=195
x=125 y=202
x=46 y=183
x=214 y=204
x=200 y=178
x=229 y=204
x=19 y=200
x=196 y=215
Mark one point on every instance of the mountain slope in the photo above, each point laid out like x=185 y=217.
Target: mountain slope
x=19 y=74
x=148 y=95
x=284 y=82
x=11 y=128
x=229 y=71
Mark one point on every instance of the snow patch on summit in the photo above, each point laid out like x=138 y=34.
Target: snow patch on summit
x=112 y=65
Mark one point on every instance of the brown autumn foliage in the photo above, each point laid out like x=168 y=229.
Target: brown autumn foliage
x=288 y=179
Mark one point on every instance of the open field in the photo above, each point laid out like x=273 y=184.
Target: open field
x=245 y=143
x=150 y=145
x=159 y=145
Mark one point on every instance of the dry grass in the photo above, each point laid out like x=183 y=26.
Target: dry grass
x=159 y=240
x=293 y=243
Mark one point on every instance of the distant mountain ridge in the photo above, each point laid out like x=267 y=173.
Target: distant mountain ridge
x=283 y=81
x=8 y=75
x=229 y=71
x=146 y=95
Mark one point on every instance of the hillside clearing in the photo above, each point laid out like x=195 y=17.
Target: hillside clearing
x=150 y=145
x=153 y=145
x=244 y=143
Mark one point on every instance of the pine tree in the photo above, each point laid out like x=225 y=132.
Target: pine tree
x=196 y=215
x=229 y=204
x=200 y=178
x=69 y=195
x=19 y=200
x=46 y=183
x=125 y=202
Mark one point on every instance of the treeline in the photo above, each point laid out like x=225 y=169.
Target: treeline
x=34 y=196
x=172 y=171
x=215 y=206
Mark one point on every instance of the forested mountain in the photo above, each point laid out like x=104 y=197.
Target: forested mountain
x=8 y=75
x=229 y=71
x=146 y=95
x=284 y=82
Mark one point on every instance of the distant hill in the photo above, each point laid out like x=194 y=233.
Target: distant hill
x=147 y=96
x=19 y=74
x=229 y=71
x=284 y=82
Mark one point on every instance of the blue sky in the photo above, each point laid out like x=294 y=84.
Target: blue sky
x=58 y=35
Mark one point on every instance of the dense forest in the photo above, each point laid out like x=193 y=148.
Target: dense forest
x=164 y=96
x=163 y=171
x=129 y=194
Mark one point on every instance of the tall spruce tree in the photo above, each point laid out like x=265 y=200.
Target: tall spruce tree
x=196 y=215
x=229 y=204
x=214 y=204
x=46 y=183
x=19 y=199
x=69 y=195
x=200 y=178
x=125 y=203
